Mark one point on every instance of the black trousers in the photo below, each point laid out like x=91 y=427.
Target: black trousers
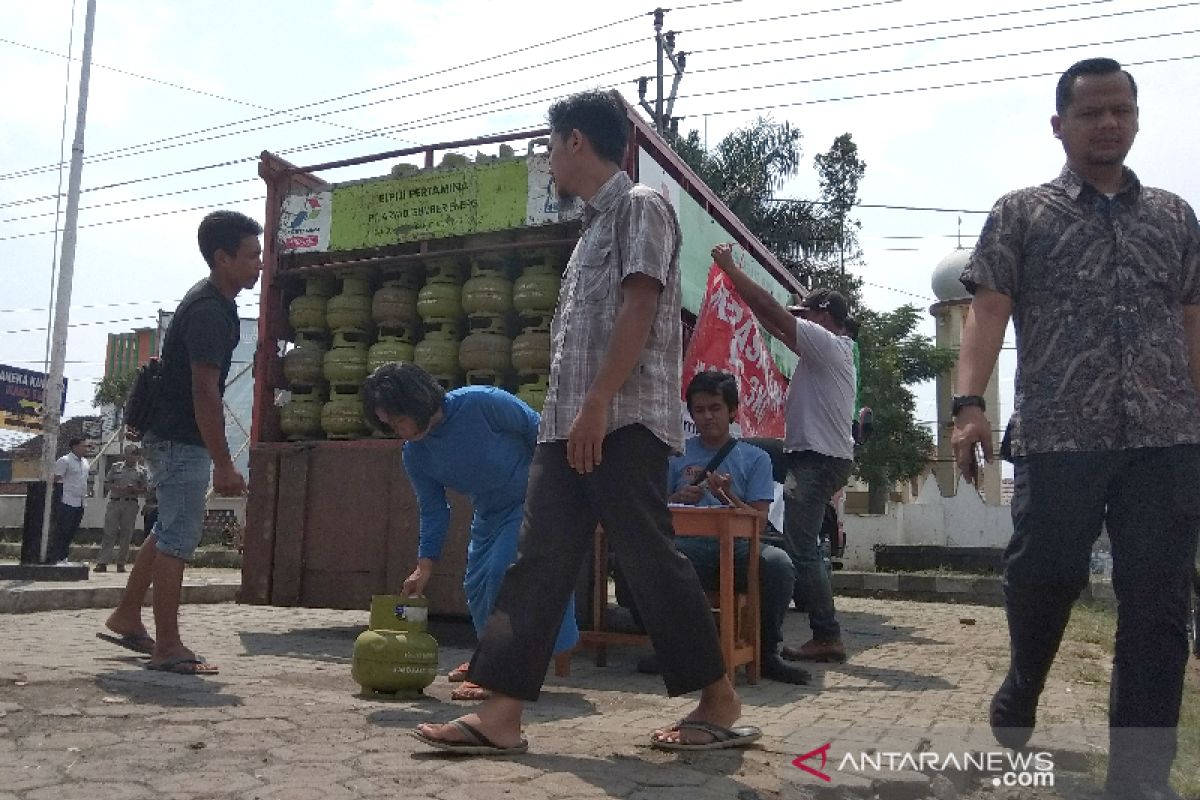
x=62 y=532
x=627 y=494
x=1149 y=501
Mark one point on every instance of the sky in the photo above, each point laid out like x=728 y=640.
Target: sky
x=949 y=104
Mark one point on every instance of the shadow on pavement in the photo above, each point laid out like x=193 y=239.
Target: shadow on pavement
x=622 y=775
x=162 y=689
x=557 y=706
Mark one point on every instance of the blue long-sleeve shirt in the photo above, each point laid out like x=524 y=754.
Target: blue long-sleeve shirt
x=481 y=448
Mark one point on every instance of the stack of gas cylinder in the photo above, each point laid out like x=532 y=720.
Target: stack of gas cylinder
x=456 y=327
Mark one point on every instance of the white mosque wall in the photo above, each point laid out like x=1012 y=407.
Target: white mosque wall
x=961 y=520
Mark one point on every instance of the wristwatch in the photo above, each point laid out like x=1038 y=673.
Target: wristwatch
x=961 y=401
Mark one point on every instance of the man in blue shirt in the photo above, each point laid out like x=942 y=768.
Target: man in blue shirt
x=741 y=479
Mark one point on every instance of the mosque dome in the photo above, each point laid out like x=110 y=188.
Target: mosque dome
x=946 y=285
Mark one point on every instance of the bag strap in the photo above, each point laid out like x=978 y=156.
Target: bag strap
x=715 y=461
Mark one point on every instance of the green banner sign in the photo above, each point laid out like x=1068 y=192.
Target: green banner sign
x=430 y=205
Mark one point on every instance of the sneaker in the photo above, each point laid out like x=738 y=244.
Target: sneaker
x=828 y=651
x=100 y=568
x=1013 y=713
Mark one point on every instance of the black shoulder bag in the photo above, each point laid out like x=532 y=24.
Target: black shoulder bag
x=143 y=397
x=715 y=462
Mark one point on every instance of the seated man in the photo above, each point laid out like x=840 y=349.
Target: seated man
x=742 y=478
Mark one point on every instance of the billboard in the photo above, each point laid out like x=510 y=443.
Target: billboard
x=22 y=398
x=486 y=195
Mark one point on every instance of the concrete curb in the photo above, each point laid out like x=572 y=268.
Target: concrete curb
x=981 y=590
x=29 y=598
x=205 y=556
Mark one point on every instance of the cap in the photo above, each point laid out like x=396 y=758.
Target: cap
x=824 y=300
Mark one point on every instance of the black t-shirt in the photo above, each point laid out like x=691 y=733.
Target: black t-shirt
x=204 y=329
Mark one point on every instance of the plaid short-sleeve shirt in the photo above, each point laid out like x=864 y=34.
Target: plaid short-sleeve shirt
x=627 y=228
x=1098 y=286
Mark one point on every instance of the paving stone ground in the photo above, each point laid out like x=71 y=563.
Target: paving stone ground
x=80 y=718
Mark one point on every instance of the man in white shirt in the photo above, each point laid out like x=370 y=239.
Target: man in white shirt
x=72 y=472
x=818 y=442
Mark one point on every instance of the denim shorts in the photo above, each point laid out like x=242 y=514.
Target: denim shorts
x=181 y=472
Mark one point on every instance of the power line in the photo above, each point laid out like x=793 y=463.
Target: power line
x=911 y=67
x=931 y=39
x=108 y=322
x=136 y=199
x=36 y=170
x=889 y=28
x=144 y=148
x=132 y=181
x=916 y=89
x=178 y=86
x=142 y=216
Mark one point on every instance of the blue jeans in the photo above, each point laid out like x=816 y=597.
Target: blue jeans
x=776 y=579
x=812 y=480
x=181 y=472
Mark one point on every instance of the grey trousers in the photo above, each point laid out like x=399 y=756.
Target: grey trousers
x=627 y=494
x=120 y=516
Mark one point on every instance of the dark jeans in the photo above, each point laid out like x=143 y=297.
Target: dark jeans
x=812 y=480
x=1149 y=501
x=776 y=579
x=66 y=525
x=627 y=494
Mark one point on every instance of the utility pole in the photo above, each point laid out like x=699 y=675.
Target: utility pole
x=62 y=303
x=660 y=113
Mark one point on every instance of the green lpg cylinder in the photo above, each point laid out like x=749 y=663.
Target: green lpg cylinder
x=350 y=310
x=395 y=654
x=301 y=417
x=488 y=291
x=387 y=350
x=306 y=313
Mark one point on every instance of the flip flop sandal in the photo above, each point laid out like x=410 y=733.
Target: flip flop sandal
x=470 y=691
x=184 y=666
x=459 y=673
x=476 y=744
x=137 y=642
x=723 y=738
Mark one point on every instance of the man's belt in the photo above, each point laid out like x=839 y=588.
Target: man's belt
x=123 y=498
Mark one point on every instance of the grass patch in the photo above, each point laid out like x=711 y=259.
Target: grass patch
x=1094 y=627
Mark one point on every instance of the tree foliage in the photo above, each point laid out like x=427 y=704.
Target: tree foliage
x=817 y=241
x=111 y=390
x=895 y=356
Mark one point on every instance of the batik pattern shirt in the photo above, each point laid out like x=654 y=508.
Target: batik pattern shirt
x=1098 y=286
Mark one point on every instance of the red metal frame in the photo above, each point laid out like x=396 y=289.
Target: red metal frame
x=281 y=177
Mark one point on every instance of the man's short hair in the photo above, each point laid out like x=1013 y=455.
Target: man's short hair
x=711 y=381
x=1065 y=91
x=401 y=389
x=132 y=450
x=224 y=230
x=75 y=440
x=599 y=116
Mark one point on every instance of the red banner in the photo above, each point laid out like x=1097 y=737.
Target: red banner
x=727 y=339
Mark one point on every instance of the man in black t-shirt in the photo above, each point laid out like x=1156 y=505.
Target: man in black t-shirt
x=185 y=440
